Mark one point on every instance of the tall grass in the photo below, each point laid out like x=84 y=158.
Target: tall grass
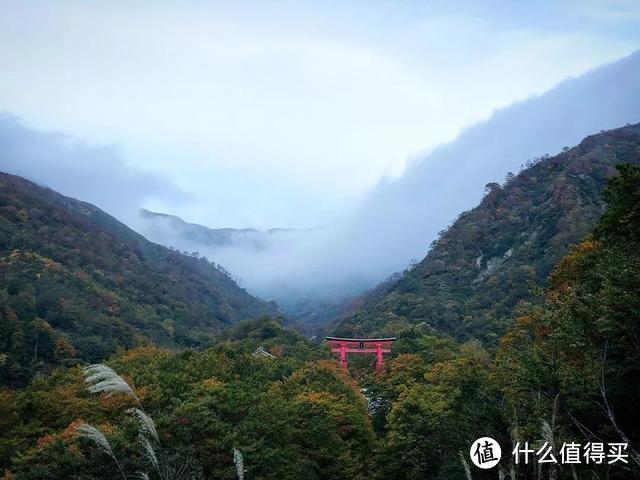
x=465 y=465
x=238 y=460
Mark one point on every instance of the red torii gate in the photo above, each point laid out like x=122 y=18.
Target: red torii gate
x=361 y=345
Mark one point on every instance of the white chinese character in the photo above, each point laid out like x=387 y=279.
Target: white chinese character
x=546 y=448
x=616 y=453
x=570 y=453
x=525 y=449
x=594 y=452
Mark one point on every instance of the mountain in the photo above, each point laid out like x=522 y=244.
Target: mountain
x=398 y=219
x=312 y=274
x=76 y=283
x=261 y=260
x=485 y=263
x=310 y=313
x=172 y=228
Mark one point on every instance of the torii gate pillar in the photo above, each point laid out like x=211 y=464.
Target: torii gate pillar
x=343 y=355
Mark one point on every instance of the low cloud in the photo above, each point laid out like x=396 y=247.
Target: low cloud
x=93 y=173
x=400 y=218
x=396 y=222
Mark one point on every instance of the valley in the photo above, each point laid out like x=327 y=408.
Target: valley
x=319 y=240
x=501 y=331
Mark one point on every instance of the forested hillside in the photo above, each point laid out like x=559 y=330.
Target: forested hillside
x=560 y=375
x=489 y=259
x=294 y=414
x=77 y=284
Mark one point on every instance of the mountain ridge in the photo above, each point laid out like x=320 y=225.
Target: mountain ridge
x=224 y=233
x=79 y=284
x=411 y=208
x=481 y=266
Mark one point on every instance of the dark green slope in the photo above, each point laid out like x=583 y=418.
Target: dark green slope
x=76 y=283
x=488 y=259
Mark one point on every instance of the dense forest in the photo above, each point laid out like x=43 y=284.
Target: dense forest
x=485 y=263
x=562 y=364
x=77 y=285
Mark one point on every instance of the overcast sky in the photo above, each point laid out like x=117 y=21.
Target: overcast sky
x=280 y=113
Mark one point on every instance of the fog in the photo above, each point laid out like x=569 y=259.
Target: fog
x=287 y=265
x=392 y=225
x=399 y=219
x=284 y=113
x=93 y=173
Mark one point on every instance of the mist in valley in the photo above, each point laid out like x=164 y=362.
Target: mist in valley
x=396 y=222
x=381 y=234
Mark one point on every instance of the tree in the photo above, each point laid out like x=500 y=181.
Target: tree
x=581 y=347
